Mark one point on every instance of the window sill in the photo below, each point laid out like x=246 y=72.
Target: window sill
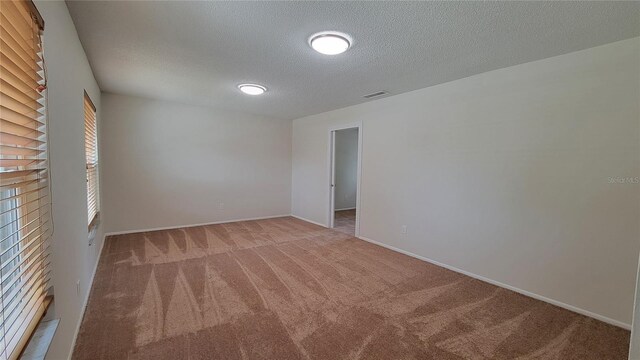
x=40 y=336
x=95 y=222
x=40 y=341
x=93 y=229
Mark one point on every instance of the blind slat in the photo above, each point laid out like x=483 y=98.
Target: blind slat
x=19 y=162
x=27 y=274
x=13 y=54
x=19 y=173
x=26 y=74
x=26 y=85
x=23 y=188
x=18 y=185
x=21 y=323
x=15 y=223
x=27 y=96
x=29 y=254
x=19 y=151
x=29 y=108
x=26 y=129
x=35 y=261
x=31 y=303
x=41 y=202
x=18 y=124
x=21 y=12
x=7 y=183
x=10 y=30
x=21 y=290
x=26 y=290
x=12 y=12
x=24 y=233
x=16 y=140
x=9 y=43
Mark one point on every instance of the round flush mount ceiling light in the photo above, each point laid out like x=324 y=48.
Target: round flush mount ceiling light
x=252 y=89
x=330 y=42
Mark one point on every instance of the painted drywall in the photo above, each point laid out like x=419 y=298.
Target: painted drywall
x=346 y=168
x=175 y=164
x=523 y=175
x=73 y=259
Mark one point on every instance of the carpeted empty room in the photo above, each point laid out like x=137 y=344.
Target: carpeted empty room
x=319 y=180
x=286 y=289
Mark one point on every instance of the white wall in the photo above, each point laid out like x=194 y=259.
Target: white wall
x=346 y=168
x=503 y=174
x=69 y=75
x=169 y=164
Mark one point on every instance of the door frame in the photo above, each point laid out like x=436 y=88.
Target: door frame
x=331 y=172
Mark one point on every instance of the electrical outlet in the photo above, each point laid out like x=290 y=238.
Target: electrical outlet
x=221 y=206
x=403 y=229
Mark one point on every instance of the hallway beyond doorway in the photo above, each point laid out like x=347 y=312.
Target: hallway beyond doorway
x=345 y=221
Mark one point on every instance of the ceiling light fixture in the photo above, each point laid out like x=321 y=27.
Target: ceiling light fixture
x=330 y=42
x=252 y=89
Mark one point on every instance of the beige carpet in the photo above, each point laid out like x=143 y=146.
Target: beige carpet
x=286 y=289
x=345 y=221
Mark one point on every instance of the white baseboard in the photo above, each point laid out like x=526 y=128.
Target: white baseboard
x=350 y=208
x=86 y=297
x=508 y=287
x=193 y=225
x=307 y=220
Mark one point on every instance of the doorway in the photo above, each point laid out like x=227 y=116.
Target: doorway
x=345 y=154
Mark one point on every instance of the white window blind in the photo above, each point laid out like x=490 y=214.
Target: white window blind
x=25 y=225
x=91 y=152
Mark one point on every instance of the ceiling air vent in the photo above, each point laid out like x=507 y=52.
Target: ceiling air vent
x=375 y=94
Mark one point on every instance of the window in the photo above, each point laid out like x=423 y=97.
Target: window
x=25 y=225
x=91 y=152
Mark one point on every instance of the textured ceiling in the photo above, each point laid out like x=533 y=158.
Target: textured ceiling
x=197 y=52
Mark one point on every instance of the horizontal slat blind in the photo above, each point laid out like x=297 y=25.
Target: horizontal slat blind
x=91 y=152
x=25 y=225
